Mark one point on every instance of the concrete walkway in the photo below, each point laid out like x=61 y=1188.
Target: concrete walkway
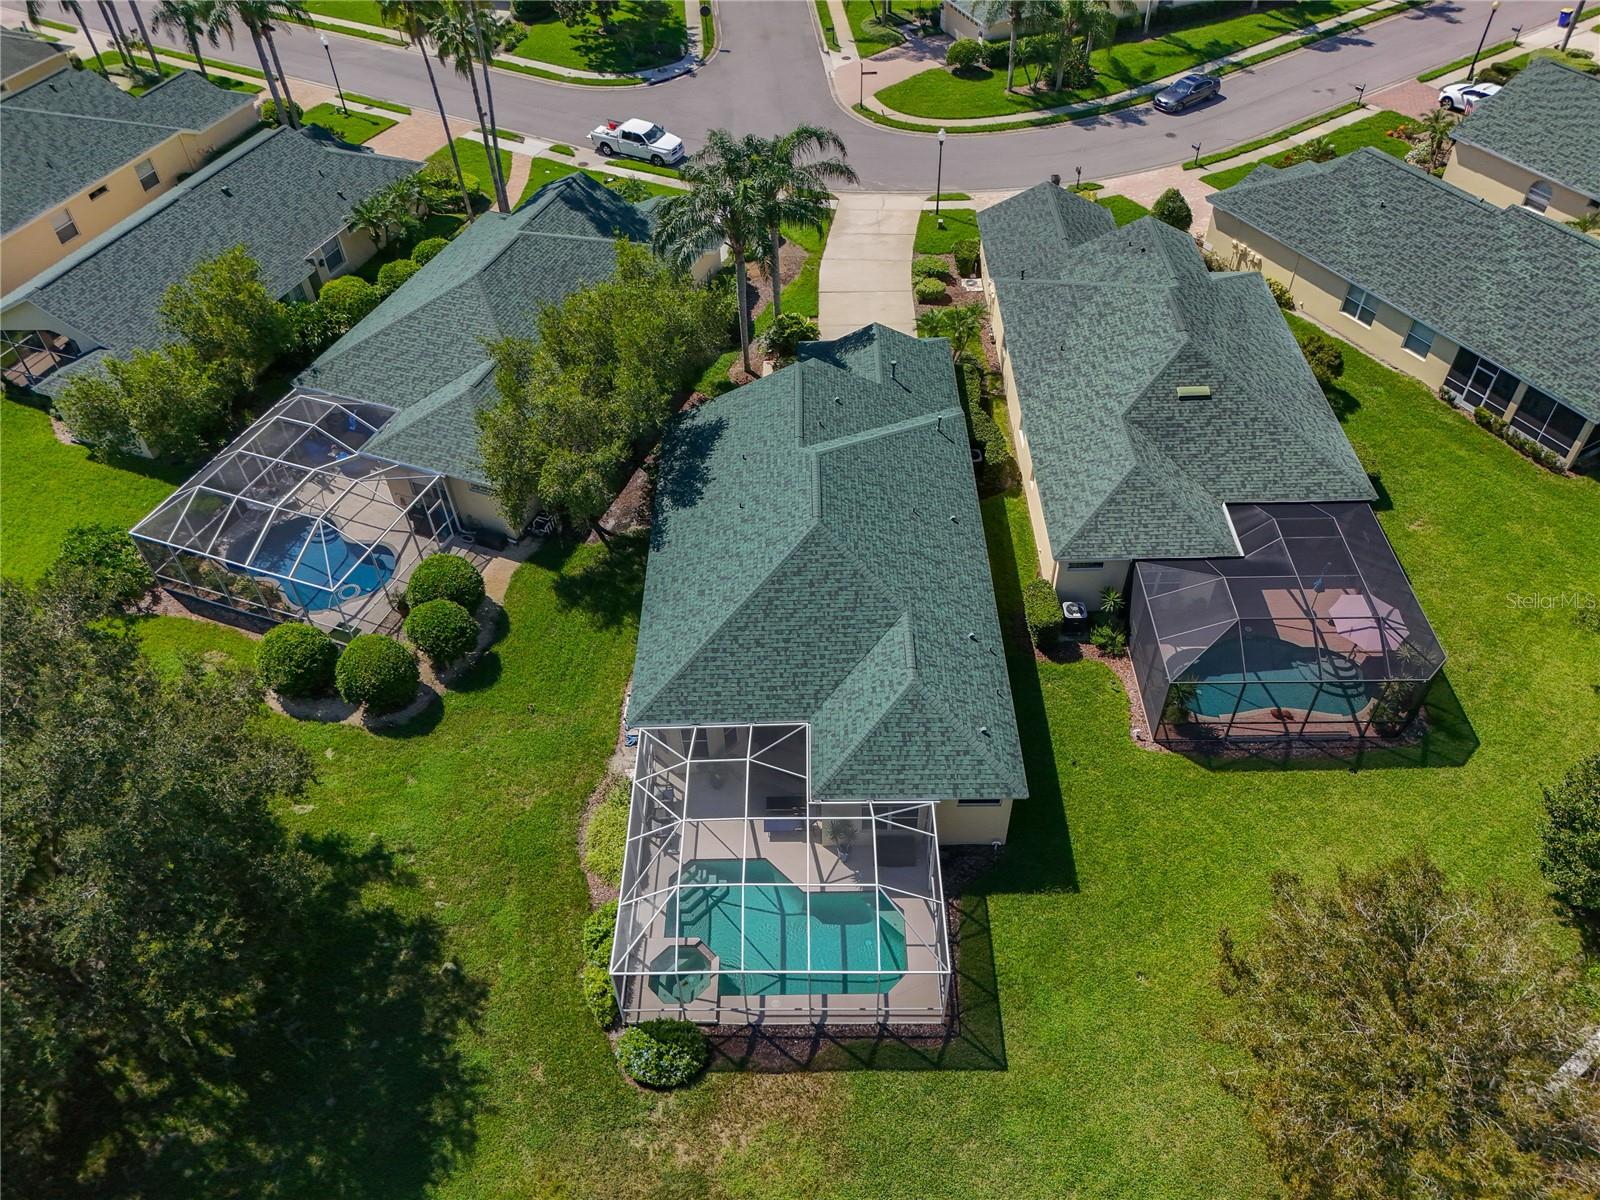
x=866 y=265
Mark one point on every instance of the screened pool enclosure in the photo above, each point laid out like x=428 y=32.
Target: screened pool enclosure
x=744 y=901
x=293 y=521
x=1313 y=632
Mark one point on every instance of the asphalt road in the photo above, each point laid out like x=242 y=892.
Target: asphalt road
x=768 y=75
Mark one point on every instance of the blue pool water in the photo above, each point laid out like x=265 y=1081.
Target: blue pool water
x=325 y=562
x=844 y=930
x=1281 y=675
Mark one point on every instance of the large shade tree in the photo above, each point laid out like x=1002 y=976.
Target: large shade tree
x=1399 y=1038
x=794 y=173
x=725 y=203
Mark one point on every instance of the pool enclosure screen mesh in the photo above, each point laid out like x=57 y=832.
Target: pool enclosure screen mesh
x=293 y=521
x=743 y=901
x=1313 y=632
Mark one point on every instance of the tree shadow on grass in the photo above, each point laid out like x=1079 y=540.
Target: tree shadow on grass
x=349 y=1080
x=609 y=586
x=644 y=34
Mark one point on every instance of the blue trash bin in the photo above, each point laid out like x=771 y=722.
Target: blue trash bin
x=1564 y=19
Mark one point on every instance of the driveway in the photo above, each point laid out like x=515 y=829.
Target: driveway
x=866 y=265
x=768 y=75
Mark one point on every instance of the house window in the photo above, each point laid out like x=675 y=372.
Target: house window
x=1538 y=197
x=1551 y=424
x=1085 y=566
x=1360 y=304
x=98 y=192
x=331 y=254
x=1479 y=381
x=66 y=229
x=1419 y=339
x=147 y=174
x=977 y=803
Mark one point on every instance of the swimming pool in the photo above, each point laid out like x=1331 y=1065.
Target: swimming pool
x=328 y=558
x=1281 y=675
x=768 y=956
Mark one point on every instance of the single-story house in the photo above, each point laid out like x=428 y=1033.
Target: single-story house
x=964 y=19
x=422 y=353
x=81 y=155
x=1175 y=447
x=26 y=58
x=1498 y=307
x=284 y=195
x=820 y=696
x=1535 y=143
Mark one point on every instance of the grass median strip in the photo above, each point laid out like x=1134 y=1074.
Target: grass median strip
x=1370 y=131
x=825 y=17
x=506 y=64
x=352 y=127
x=1268 y=139
x=1466 y=60
x=372 y=102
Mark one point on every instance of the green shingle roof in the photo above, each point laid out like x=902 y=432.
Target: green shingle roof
x=281 y=195
x=422 y=350
x=1035 y=231
x=1100 y=333
x=65 y=133
x=1546 y=119
x=1508 y=284
x=817 y=555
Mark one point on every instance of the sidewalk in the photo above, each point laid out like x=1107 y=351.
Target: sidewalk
x=1146 y=89
x=866 y=265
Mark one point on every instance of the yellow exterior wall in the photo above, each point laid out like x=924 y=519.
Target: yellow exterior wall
x=1503 y=183
x=31 y=75
x=34 y=247
x=480 y=509
x=1319 y=293
x=972 y=824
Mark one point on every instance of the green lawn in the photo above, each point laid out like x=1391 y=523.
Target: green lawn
x=959 y=223
x=871 y=35
x=474 y=157
x=50 y=487
x=800 y=295
x=365 y=11
x=1084 y=1067
x=354 y=127
x=644 y=34
x=938 y=93
x=1369 y=131
x=1123 y=209
x=825 y=19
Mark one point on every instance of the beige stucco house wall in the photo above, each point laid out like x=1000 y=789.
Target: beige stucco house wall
x=34 y=246
x=479 y=506
x=1502 y=182
x=33 y=73
x=972 y=824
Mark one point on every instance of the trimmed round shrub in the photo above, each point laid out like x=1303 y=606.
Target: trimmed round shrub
x=1281 y=293
x=297 y=660
x=377 y=671
x=108 y=563
x=787 y=331
x=269 y=111
x=964 y=54
x=929 y=291
x=445 y=577
x=426 y=249
x=599 y=929
x=598 y=996
x=1042 y=607
x=347 y=299
x=662 y=1054
x=442 y=630
x=930 y=266
x=392 y=274
x=1172 y=208
x=966 y=256
x=1323 y=355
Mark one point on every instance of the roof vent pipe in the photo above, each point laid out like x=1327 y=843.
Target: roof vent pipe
x=1199 y=391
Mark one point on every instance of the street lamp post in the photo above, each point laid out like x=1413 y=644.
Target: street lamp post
x=328 y=48
x=1472 y=71
x=938 y=183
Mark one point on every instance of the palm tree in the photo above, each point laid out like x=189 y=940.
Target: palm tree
x=724 y=203
x=284 y=10
x=76 y=9
x=478 y=10
x=254 y=15
x=1433 y=133
x=194 y=19
x=454 y=42
x=992 y=10
x=1317 y=150
x=1091 y=18
x=1589 y=222
x=411 y=18
x=144 y=33
x=794 y=187
x=114 y=28
x=959 y=323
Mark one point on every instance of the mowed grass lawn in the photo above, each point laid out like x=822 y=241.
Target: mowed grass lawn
x=364 y=11
x=870 y=34
x=643 y=34
x=1369 y=131
x=960 y=224
x=1101 y=917
x=1122 y=65
x=1123 y=209
x=353 y=127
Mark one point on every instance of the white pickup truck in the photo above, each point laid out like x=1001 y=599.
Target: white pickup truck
x=634 y=138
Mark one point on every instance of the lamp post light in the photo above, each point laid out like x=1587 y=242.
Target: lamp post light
x=328 y=49
x=1472 y=71
x=938 y=183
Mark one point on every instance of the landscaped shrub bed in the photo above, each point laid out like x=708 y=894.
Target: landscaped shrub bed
x=445 y=577
x=607 y=837
x=442 y=630
x=392 y=274
x=1042 y=608
x=425 y=250
x=107 y=559
x=930 y=266
x=662 y=1054
x=297 y=660
x=378 y=672
x=929 y=291
x=599 y=929
x=598 y=997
